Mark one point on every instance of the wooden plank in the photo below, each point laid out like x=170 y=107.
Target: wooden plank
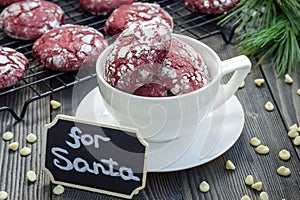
x=286 y=97
x=288 y=101
x=13 y=166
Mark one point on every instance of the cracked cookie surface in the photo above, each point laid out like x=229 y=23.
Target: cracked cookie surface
x=125 y=15
x=13 y=65
x=211 y=6
x=69 y=48
x=136 y=55
x=28 y=20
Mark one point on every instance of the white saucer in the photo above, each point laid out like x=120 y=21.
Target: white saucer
x=224 y=126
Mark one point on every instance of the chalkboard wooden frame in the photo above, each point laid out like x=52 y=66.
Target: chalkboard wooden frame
x=142 y=175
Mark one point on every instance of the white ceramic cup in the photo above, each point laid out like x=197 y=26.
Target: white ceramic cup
x=163 y=119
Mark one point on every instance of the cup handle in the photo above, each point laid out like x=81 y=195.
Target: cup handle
x=241 y=66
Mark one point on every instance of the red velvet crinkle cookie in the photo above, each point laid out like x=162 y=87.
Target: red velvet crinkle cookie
x=152 y=90
x=12 y=67
x=211 y=6
x=184 y=70
x=122 y=17
x=8 y=2
x=136 y=55
x=69 y=48
x=28 y=20
x=102 y=7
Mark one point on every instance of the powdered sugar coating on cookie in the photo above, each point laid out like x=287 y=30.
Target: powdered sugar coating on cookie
x=122 y=17
x=102 y=7
x=69 y=48
x=211 y=6
x=28 y=20
x=12 y=66
x=136 y=55
x=184 y=70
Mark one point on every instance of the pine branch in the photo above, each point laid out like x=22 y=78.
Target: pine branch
x=272 y=29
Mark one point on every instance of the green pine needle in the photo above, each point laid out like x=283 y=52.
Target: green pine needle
x=269 y=30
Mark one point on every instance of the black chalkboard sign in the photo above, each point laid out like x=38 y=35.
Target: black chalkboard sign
x=96 y=157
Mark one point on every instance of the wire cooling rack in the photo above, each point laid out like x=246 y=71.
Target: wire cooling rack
x=43 y=82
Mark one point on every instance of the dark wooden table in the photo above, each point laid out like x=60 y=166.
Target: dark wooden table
x=270 y=127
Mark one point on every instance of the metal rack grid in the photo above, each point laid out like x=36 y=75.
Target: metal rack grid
x=43 y=82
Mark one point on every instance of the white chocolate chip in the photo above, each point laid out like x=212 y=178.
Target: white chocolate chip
x=297 y=141
x=262 y=149
x=257 y=186
x=283 y=171
x=230 y=165
x=13 y=146
x=293 y=133
x=269 y=106
x=55 y=104
x=3 y=195
x=288 y=79
x=58 y=190
x=298 y=91
x=31 y=176
x=242 y=85
x=249 y=180
x=263 y=196
x=293 y=127
x=7 y=136
x=245 y=197
x=25 y=151
x=204 y=186
x=31 y=138
x=255 y=141
x=284 y=154
x=259 y=81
